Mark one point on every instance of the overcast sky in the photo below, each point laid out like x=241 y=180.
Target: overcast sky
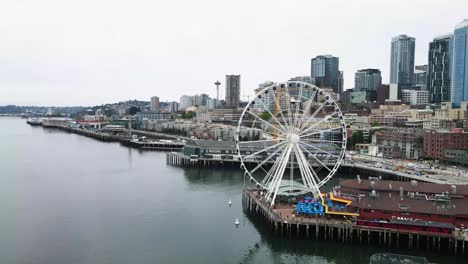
x=88 y=52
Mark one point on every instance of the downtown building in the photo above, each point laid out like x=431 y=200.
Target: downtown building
x=154 y=104
x=450 y=146
x=185 y=101
x=325 y=73
x=402 y=61
x=232 y=91
x=367 y=80
x=460 y=64
x=439 y=69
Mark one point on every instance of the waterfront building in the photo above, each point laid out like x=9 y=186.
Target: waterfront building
x=460 y=64
x=450 y=113
x=153 y=115
x=439 y=68
x=415 y=97
x=438 y=143
x=437 y=124
x=405 y=142
x=367 y=80
x=410 y=202
x=226 y=115
x=232 y=91
x=325 y=72
x=155 y=104
x=185 y=101
x=402 y=60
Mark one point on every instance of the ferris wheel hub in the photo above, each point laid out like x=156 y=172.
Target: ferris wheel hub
x=294 y=138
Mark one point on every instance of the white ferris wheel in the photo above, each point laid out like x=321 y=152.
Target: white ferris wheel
x=300 y=142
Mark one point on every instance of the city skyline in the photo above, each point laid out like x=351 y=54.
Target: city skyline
x=117 y=55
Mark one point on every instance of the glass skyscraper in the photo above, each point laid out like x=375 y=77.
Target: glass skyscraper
x=460 y=64
x=325 y=72
x=439 y=69
x=367 y=80
x=402 y=60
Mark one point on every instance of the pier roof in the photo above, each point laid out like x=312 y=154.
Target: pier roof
x=394 y=186
x=394 y=203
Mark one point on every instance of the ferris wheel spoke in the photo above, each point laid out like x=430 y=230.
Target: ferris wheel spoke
x=311 y=117
x=288 y=100
x=268 y=158
x=258 y=141
x=304 y=113
x=280 y=173
x=266 y=123
x=299 y=95
x=265 y=149
x=278 y=107
x=312 y=140
x=273 y=135
x=269 y=175
x=276 y=176
x=314 y=156
x=320 y=131
x=308 y=173
x=318 y=123
x=305 y=180
x=302 y=143
x=274 y=117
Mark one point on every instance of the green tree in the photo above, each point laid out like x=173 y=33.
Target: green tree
x=265 y=115
x=189 y=115
x=356 y=138
x=375 y=123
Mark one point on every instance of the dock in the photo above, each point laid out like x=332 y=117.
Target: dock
x=123 y=138
x=282 y=221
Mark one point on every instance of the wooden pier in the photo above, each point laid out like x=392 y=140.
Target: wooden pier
x=283 y=222
x=125 y=140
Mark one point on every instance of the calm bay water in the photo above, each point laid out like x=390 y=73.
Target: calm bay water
x=65 y=198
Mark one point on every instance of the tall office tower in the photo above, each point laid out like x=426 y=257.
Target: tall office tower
x=460 y=64
x=154 y=104
x=185 y=101
x=402 y=60
x=204 y=99
x=325 y=72
x=232 y=91
x=439 y=69
x=367 y=80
